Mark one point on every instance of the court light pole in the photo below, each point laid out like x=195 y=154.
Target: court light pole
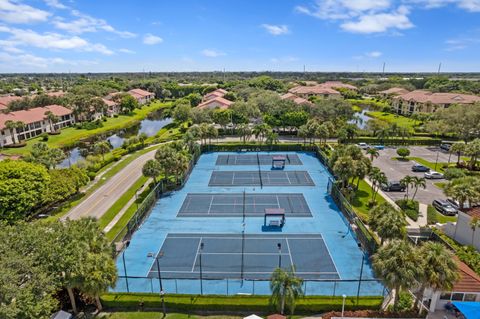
x=201 y=275
x=127 y=243
x=343 y=304
x=162 y=292
x=361 y=271
x=279 y=245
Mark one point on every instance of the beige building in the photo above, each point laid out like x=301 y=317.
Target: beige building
x=217 y=102
x=324 y=90
x=142 y=96
x=391 y=92
x=214 y=94
x=421 y=101
x=295 y=99
x=35 y=121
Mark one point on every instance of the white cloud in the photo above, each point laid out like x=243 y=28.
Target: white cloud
x=86 y=23
x=127 y=51
x=55 y=4
x=342 y=9
x=286 y=59
x=151 y=39
x=30 y=60
x=380 y=22
x=469 y=5
x=14 y=12
x=212 y=53
x=461 y=43
x=276 y=29
x=25 y=37
x=374 y=54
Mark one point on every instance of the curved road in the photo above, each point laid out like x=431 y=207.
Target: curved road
x=104 y=197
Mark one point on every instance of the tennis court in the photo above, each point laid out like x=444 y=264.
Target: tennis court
x=252 y=256
x=232 y=205
x=251 y=159
x=260 y=178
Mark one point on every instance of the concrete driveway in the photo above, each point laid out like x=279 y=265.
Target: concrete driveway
x=396 y=170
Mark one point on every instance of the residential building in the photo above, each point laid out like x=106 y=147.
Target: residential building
x=5 y=101
x=142 y=96
x=296 y=99
x=316 y=90
x=393 y=92
x=113 y=108
x=421 y=101
x=467 y=288
x=214 y=94
x=35 y=121
x=338 y=85
x=462 y=231
x=217 y=102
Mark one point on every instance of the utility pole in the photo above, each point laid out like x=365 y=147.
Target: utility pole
x=383 y=70
x=439 y=68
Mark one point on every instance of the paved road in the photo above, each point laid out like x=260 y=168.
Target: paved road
x=104 y=197
x=396 y=170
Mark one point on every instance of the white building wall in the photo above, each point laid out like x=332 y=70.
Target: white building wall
x=462 y=232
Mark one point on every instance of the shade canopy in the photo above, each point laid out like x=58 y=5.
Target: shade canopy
x=253 y=317
x=471 y=310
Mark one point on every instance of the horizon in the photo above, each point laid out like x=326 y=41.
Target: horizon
x=343 y=36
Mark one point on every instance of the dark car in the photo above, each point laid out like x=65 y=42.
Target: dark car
x=445 y=147
x=419 y=168
x=444 y=207
x=394 y=187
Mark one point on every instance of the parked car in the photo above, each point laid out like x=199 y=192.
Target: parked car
x=445 y=147
x=420 y=168
x=394 y=187
x=456 y=203
x=433 y=175
x=379 y=147
x=444 y=207
x=363 y=146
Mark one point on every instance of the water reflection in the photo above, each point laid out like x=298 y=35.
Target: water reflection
x=360 y=119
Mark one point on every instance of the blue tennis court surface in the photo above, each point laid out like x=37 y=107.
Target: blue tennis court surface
x=226 y=215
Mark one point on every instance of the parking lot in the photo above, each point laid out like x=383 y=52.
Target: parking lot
x=396 y=170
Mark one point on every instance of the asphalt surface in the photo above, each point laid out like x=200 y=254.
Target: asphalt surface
x=396 y=170
x=97 y=204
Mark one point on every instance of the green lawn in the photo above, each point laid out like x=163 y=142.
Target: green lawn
x=428 y=164
x=361 y=199
x=70 y=135
x=433 y=216
x=156 y=315
x=401 y=121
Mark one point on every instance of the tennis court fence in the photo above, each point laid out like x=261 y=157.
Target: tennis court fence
x=332 y=287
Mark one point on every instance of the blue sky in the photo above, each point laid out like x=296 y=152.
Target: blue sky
x=239 y=35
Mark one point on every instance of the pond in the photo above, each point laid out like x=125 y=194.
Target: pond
x=150 y=126
x=360 y=119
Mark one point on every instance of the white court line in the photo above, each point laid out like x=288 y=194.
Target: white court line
x=251 y=238
x=255 y=254
x=210 y=206
x=289 y=252
x=246 y=272
x=196 y=255
x=288 y=178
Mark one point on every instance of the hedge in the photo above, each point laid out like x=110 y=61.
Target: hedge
x=237 y=147
x=395 y=141
x=221 y=303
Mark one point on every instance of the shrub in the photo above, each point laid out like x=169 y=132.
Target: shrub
x=451 y=173
x=409 y=207
x=405 y=302
x=44 y=137
x=403 y=152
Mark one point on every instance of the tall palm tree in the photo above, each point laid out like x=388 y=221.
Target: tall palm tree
x=286 y=288
x=407 y=181
x=387 y=222
x=378 y=178
x=260 y=131
x=344 y=168
x=439 y=271
x=152 y=168
x=303 y=133
x=361 y=168
x=212 y=132
x=464 y=190
x=474 y=224
x=244 y=132
x=102 y=148
x=12 y=126
x=373 y=152
x=272 y=138
x=396 y=264
x=322 y=133
x=52 y=118
x=418 y=182
x=457 y=148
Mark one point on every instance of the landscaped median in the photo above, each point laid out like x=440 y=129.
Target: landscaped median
x=233 y=304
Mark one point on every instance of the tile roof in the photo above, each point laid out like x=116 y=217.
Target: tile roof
x=473 y=212
x=316 y=89
x=109 y=102
x=296 y=99
x=422 y=96
x=33 y=115
x=394 y=91
x=338 y=84
x=224 y=103
x=139 y=93
x=56 y=94
x=469 y=280
x=5 y=100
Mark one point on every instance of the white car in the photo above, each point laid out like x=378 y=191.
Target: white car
x=363 y=146
x=433 y=175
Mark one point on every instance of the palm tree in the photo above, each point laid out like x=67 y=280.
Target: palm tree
x=244 y=132
x=361 y=168
x=286 y=288
x=272 y=138
x=387 y=222
x=373 y=152
x=396 y=264
x=407 y=181
x=180 y=165
x=344 y=168
x=165 y=156
x=260 y=131
x=13 y=126
x=473 y=150
x=52 y=118
x=439 y=271
x=303 y=133
x=457 y=148
x=378 y=178
x=464 y=190
x=322 y=133
x=102 y=148
x=474 y=224
x=152 y=168
x=212 y=132
x=418 y=182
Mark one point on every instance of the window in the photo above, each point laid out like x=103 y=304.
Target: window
x=457 y=296
x=445 y=296
x=470 y=297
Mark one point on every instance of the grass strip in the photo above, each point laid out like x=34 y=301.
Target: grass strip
x=428 y=164
x=434 y=216
x=156 y=315
x=362 y=198
x=121 y=202
x=232 y=304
